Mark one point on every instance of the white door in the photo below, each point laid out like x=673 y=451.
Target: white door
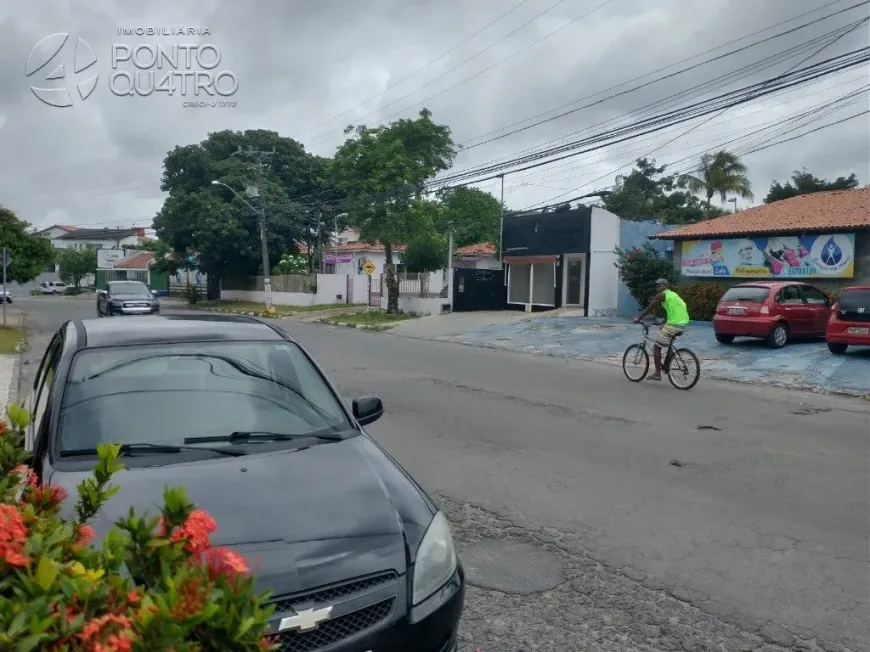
x=574 y=280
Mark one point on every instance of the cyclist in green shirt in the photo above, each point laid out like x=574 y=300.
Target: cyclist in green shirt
x=675 y=324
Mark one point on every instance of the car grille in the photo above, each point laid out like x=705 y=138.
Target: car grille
x=337 y=629
x=333 y=594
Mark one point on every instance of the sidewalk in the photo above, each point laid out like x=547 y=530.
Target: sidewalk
x=800 y=365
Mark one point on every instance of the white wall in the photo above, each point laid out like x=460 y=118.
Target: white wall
x=278 y=298
x=603 y=274
x=418 y=305
x=57 y=243
x=329 y=288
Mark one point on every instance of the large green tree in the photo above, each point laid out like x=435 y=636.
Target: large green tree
x=472 y=214
x=30 y=252
x=212 y=221
x=722 y=173
x=649 y=192
x=382 y=171
x=804 y=183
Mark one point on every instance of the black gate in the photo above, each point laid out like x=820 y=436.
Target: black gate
x=479 y=289
x=213 y=288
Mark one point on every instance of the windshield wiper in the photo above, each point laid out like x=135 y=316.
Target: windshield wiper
x=241 y=436
x=156 y=448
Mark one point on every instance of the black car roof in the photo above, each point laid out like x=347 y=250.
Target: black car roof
x=123 y=331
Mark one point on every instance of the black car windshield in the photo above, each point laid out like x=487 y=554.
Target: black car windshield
x=164 y=394
x=747 y=293
x=128 y=287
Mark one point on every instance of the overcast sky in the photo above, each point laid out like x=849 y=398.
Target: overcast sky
x=306 y=69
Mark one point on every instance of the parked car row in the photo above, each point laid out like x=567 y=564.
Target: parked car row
x=777 y=311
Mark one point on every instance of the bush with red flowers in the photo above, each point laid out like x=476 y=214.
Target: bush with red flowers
x=153 y=583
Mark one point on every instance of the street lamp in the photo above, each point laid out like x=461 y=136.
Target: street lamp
x=264 y=245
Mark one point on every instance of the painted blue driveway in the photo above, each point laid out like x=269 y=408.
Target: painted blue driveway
x=806 y=365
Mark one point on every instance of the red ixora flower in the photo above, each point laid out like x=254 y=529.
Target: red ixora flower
x=194 y=531
x=84 y=535
x=13 y=536
x=223 y=562
x=49 y=495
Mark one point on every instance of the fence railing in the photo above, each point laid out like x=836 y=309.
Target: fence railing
x=418 y=285
x=300 y=283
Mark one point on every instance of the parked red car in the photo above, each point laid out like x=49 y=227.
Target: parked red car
x=772 y=310
x=849 y=322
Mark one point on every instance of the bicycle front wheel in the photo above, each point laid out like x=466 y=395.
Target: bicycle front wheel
x=685 y=369
x=635 y=363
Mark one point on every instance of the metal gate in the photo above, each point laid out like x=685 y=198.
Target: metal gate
x=479 y=289
x=127 y=275
x=375 y=289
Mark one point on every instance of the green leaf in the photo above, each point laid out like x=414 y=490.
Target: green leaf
x=46 y=573
x=29 y=643
x=245 y=625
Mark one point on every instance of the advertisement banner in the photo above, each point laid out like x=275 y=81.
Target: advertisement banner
x=811 y=256
x=106 y=258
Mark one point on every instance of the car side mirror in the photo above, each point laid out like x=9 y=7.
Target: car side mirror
x=101 y=293
x=367 y=409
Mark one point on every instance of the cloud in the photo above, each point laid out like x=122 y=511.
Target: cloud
x=308 y=69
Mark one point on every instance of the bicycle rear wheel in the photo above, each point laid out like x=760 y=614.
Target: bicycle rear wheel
x=684 y=370
x=635 y=363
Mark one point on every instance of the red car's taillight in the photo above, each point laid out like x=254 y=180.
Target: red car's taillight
x=764 y=310
x=835 y=311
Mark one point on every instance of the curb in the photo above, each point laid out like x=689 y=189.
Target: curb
x=362 y=327
x=710 y=375
x=249 y=313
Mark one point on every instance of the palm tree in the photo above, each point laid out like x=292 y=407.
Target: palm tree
x=720 y=173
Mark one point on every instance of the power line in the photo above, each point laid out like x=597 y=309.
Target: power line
x=318 y=139
x=694 y=91
x=850 y=29
x=467 y=145
x=432 y=62
x=651 y=125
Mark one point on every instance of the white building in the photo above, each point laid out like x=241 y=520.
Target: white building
x=64 y=236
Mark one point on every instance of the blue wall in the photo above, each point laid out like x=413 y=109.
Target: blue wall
x=633 y=233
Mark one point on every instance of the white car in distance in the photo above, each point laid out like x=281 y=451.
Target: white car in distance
x=52 y=287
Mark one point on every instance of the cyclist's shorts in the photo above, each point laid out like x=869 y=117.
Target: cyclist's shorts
x=667 y=335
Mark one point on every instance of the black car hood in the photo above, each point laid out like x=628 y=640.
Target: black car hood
x=304 y=518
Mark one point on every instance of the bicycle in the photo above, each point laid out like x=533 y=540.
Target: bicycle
x=675 y=363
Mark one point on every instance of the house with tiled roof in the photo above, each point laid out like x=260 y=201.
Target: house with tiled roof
x=822 y=237
x=482 y=255
x=348 y=254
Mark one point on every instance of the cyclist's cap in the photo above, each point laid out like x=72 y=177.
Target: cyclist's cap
x=661 y=281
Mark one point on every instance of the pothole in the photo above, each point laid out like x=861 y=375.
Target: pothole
x=511 y=567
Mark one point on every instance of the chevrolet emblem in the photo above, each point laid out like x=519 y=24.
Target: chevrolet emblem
x=305 y=620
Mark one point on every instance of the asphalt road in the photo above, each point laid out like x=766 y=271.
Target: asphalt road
x=595 y=514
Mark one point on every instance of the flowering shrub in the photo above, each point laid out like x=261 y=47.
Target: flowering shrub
x=291 y=264
x=639 y=268
x=701 y=299
x=154 y=583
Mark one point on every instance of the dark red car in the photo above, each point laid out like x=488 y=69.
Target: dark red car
x=849 y=321
x=772 y=310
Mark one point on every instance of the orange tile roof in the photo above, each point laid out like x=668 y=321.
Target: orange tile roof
x=479 y=249
x=819 y=212
x=136 y=261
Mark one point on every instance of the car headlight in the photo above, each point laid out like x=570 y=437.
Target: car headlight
x=436 y=559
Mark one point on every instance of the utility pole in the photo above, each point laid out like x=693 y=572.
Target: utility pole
x=501 y=224
x=450 y=268
x=3 y=298
x=260 y=159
